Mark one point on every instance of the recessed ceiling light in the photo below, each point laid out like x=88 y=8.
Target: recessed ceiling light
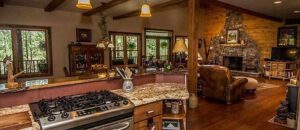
x=297 y=11
x=277 y=2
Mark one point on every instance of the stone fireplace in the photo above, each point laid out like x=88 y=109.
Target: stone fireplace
x=246 y=49
x=233 y=62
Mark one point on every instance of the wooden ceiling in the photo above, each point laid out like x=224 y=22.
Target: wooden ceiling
x=119 y=9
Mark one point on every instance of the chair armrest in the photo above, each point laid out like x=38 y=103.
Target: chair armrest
x=238 y=83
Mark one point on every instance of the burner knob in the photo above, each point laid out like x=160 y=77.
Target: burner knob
x=51 y=118
x=125 y=102
x=116 y=104
x=65 y=115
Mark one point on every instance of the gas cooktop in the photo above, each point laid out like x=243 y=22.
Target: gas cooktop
x=79 y=110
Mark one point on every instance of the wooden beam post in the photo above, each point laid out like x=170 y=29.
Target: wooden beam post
x=53 y=5
x=193 y=31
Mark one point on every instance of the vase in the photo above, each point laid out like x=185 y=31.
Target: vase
x=193 y=101
x=128 y=86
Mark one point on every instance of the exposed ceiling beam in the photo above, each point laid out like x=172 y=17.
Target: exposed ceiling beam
x=1 y=3
x=292 y=21
x=155 y=8
x=104 y=7
x=242 y=10
x=53 y=5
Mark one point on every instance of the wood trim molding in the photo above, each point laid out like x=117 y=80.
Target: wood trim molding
x=104 y=7
x=155 y=8
x=239 y=9
x=53 y=5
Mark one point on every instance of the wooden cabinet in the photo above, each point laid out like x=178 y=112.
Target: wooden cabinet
x=281 y=70
x=82 y=57
x=148 y=116
x=15 y=121
x=153 y=114
x=147 y=124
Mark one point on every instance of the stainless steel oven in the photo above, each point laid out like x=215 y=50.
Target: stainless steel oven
x=124 y=124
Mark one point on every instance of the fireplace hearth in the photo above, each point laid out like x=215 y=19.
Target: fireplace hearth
x=233 y=62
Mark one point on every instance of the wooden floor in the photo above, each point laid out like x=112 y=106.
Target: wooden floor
x=250 y=114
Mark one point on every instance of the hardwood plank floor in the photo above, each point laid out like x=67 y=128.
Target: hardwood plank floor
x=250 y=114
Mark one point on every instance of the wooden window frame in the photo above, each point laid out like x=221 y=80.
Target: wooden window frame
x=171 y=38
x=125 y=51
x=16 y=52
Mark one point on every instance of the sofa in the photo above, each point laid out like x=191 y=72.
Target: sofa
x=218 y=83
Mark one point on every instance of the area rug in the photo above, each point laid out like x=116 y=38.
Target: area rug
x=283 y=125
x=263 y=86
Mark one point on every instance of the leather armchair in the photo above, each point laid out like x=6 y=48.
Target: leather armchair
x=218 y=83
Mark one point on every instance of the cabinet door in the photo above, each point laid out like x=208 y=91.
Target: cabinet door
x=145 y=125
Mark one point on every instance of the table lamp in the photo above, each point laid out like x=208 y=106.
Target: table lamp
x=180 y=48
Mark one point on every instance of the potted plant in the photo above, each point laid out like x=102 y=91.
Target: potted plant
x=42 y=66
x=131 y=46
x=163 y=45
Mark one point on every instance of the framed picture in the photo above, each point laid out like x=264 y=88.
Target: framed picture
x=232 y=36
x=287 y=36
x=83 y=35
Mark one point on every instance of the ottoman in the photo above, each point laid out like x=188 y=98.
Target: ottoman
x=251 y=86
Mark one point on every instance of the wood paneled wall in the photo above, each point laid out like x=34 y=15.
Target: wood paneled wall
x=263 y=31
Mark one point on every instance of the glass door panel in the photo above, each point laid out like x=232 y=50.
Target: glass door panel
x=118 y=52
x=151 y=48
x=164 y=45
x=132 y=49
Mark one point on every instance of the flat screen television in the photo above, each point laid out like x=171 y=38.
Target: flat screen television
x=284 y=54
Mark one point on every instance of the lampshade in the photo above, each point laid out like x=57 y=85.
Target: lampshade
x=100 y=45
x=84 y=4
x=110 y=45
x=180 y=46
x=145 y=11
x=199 y=56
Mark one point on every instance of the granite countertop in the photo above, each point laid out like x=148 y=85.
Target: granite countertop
x=148 y=93
x=143 y=94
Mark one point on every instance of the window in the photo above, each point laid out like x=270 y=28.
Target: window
x=29 y=49
x=127 y=49
x=158 y=44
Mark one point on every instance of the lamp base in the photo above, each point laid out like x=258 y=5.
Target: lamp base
x=180 y=67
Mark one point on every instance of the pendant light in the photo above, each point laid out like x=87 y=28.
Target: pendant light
x=145 y=10
x=84 y=4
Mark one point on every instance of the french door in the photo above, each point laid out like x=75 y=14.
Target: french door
x=158 y=48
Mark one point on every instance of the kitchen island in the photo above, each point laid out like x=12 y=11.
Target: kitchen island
x=143 y=94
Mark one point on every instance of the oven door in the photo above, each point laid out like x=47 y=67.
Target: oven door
x=124 y=124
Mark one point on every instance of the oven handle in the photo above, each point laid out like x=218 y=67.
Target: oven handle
x=127 y=124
